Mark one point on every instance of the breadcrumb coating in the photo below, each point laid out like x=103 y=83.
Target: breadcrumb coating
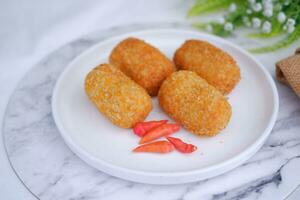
x=116 y=96
x=211 y=63
x=195 y=104
x=143 y=63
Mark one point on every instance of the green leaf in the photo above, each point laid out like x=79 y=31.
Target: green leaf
x=218 y=29
x=201 y=26
x=207 y=6
x=280 y=44
x=264 y=35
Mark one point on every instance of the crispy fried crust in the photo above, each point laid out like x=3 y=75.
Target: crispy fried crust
x=211 y=63
x=142 y=62
x=116 y=96
x=195 y=104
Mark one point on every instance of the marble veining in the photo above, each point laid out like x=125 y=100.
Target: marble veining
x=51 y=171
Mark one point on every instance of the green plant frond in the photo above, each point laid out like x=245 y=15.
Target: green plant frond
x=207 y=6
x=201 y=26
x=242 y=3
x=201 y=1
x=274 y=33
x=264 y=35
x=280 y=44
x=235 y=18
x=217 y=29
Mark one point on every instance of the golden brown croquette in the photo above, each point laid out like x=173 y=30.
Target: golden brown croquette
x=116 y=96
x=195 y=104
x=217 y=67
x=143 y=63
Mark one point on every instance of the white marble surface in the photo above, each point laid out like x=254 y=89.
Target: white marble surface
x=32 y=29
x=51 y=171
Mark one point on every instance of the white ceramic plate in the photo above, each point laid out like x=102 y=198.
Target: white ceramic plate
x=108 y=148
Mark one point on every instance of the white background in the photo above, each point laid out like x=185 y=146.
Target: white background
x=32 y=29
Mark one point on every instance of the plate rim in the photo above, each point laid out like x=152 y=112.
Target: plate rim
x=116 y=170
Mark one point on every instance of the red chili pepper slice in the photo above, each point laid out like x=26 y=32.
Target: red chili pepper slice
x=182 y=146
x=160 y=131
x=155 y=147
x=142 y=128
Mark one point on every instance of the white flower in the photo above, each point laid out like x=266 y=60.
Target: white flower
x=290 y=29
x=266 y=27
x=266 y=1
x=281 y=17
x=251 y=1
x=268 y=6
x=286 y=3
x=290 y=21
x=257 y=7
x=209 y=28
x=228 y=26
x=232 y=7
x=289 y=25
x=248 y=11
x=221 y=20
x=268 y=13
x=256 y=22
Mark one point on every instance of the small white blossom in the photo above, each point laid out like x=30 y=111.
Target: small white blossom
x=252 y=1
x=266 y=1
x=286 y=3
x=268 y=13
x=248 y=11
x=290 y=29
x=281 y=17
x=208 y=28
x=257 y=7
x=291 y=21
x=268 y=5
x=268 y=8
x=221 y=20
x=266 y=27
x=228 y=26
x=256 y=22
x=232 y=7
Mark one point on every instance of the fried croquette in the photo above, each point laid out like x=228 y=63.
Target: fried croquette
x=217 y=67
x=192 y=102
x=143 y=63
x=116 y=96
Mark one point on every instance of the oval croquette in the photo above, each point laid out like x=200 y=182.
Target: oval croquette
x=195 y=104
x=143 y=63
x=217 y=67
x=119 y=98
